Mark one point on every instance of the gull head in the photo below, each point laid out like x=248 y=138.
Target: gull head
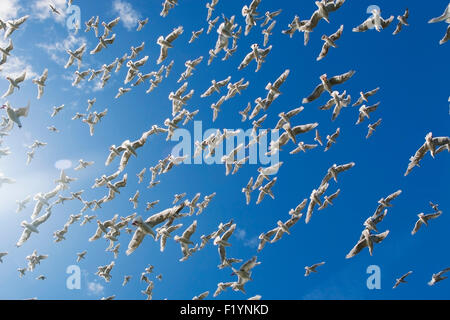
x=137 y=221
x=375 y=11
x=167 y=122
x=245 y=11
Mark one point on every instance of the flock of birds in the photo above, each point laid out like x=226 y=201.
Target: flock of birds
x=164 y=225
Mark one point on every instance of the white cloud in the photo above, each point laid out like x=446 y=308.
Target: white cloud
x=252 y=243
x=63 y=164
x=14 y=67
x=41 y=10
x=97 y=86
x=241 y=235
x=127 y=14
x=9 y=9
x=27 y=183
x=95 y=288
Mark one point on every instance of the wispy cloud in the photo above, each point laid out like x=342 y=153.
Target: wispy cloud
x=95 y=288
x=97 y=86
x=27 y=182
x=127 y=14
x=9 y=9
x=241 y=235
x=15 y=66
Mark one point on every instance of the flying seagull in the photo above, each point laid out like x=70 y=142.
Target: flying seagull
x=309 y=270
x=14 y=83
x=401 y=279
x=402 y=21
x=14 y=115
x=327 y=84
x=423 y=219
x=166 y=42
x=437 y=277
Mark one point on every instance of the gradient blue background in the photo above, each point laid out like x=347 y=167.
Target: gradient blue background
x=411 y=69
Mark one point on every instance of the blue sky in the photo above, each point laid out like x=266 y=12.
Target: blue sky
x=410 y=68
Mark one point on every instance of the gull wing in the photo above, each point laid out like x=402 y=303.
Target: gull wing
x=254 y=5
x=293 y=220
x=69 y=62
x=441 y=141
x=364 y=26
x=248 y=265
x=9 y=47
x=190 y=230
x=323 y=53
x=124 y=160
x=334 y=195
x=387 y=22
x=235 y=151
x=315 y=94
x=313 y=21
x=113 y=23
x=141 y=62
x=40 y=91
x=228 y=233
x=224 y=82
x=111 y=40
x=208 y=92
x=304 y=128
x=97 y=49
x=377 y=238
x=174 y=34
x=271 y=26
x=19 y=21
x=357 y=248
x=432 y=215
x=277 y=84
x=443 y=271
x=335 y=36
x=123 y=182
x=341 y=78
x=80 y=50
x=317 y=265
x=345 y=167
x=181 y=90
x=441 y=17
x=138 y=236
x=23 y=112
x=393 y=196
x=248 y=58
x=37 y=222
x=405 y=275
x=24 y=237
x=372 y=108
